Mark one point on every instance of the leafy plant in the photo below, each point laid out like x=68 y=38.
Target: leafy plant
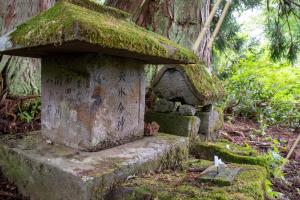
x=263 y=90
x=30 y=112
x=269 y=190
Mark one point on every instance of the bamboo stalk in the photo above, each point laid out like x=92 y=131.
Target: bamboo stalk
x=219 y=24
x=206 y=26
x=293 y=147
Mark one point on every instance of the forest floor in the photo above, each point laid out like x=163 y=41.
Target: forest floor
x=239 y=132
x=245 y=131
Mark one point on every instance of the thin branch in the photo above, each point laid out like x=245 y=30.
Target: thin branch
x=289 y=26
x=293 y=11
x=292 y=2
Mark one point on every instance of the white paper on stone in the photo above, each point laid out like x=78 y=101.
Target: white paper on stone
x=217 y=161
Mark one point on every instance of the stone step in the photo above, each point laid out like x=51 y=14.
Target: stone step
x=55 y=172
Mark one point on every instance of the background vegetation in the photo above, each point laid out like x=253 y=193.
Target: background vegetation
x=256 y=55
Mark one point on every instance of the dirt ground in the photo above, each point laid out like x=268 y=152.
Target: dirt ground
x=244 y=131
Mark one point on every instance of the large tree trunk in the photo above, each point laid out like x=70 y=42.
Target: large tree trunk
x=20 y=76
x=178 y=20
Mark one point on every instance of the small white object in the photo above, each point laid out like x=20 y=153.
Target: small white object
x=227 y=146
x=87 y=178
x=218 y=161
x=49 y=142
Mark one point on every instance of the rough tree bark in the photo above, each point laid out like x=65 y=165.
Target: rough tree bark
x=20 y=76
x=179 y=20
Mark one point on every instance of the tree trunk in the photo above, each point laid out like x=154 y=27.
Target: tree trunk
x=178 y=20
x=20 y=76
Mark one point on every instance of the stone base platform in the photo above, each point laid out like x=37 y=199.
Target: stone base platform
x=46 y=171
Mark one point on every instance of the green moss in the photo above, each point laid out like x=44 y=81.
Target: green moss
x=175 y=158
x=197 y=164
x=172 y=123
x=249 y=184
x=93 y=5
x=13 y=166
x=69 y=22
x=236 y=154
x=208 y=87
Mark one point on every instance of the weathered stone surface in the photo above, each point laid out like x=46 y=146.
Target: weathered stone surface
x=191 y=84
x=92 y=102
x=211 y=121
x=187 y=110
x=172 y=86
x=55 y=172
x=224 y=176
x=164 y=106
x=175 y=124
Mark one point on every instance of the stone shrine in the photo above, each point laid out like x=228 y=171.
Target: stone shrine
x=90 y=100
x=93 y=98
x=194 y=90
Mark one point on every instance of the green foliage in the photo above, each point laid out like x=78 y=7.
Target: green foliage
x=281 y=25
x=269 y=190
x=30 y=112
x=282 y=28
x=229 y=37
x=260 y=89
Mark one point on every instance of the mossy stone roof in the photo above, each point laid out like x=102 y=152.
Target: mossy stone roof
x=72 y=26
x=206 y=87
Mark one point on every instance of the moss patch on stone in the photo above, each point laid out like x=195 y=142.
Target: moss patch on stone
x=235 y=154
x=197 y=163
x=206 y=87
x=249 y=184
x=67 y=22
x=93 y=5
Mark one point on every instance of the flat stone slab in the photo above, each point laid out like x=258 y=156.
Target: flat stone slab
x=44 y=171
x=224 y=176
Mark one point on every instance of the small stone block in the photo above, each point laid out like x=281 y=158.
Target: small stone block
x=187 y=110
x=211 y=121
x=164 y=106
x=56 y=172
x=222 y=177
x=175 y=124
